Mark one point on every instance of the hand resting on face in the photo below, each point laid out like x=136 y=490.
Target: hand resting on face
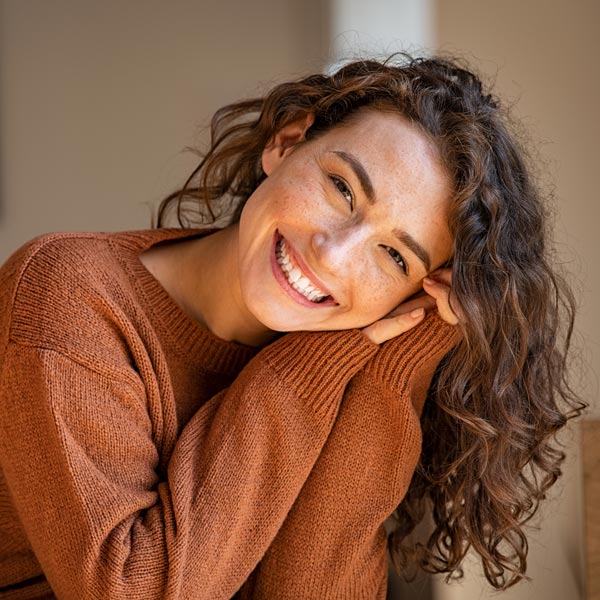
x=435 y=294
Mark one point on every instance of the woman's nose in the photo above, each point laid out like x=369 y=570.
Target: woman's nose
x=333 y=248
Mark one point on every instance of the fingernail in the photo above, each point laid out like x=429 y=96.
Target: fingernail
x=428 y=281
x=415 y=314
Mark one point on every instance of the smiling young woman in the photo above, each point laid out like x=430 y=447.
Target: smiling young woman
x=312 y=250
x=236 y=411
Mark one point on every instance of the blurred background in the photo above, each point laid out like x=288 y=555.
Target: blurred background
x=98 y=99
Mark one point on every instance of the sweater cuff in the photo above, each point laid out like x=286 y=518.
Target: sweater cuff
x=399 y=358
x=318 y=364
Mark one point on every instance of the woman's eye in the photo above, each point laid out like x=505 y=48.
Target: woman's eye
x=396 y=257
x=343 y=189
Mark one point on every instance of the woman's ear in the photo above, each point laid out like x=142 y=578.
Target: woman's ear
x=284 y=141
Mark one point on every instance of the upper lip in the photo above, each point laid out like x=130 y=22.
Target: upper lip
x=304 y=267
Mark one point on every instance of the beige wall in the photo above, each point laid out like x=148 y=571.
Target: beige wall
x=98 y=98
x=544 y=57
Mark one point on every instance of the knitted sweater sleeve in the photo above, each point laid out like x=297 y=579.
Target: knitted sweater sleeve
x=333 y=542
x=82 y=463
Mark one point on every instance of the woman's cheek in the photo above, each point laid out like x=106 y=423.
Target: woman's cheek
x=307 y=190
x=381 y=293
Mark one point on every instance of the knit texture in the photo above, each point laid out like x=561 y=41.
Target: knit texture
x=142 y=457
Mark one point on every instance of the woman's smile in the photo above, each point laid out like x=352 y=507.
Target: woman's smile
x=296 y=278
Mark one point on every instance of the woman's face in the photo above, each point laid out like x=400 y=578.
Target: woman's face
x=345 y=226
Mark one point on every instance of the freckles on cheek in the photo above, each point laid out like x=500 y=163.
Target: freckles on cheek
x=377 y=297
x=384 y=297
x=291 y=195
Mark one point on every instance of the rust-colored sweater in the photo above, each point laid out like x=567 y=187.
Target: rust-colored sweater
x=143 y=458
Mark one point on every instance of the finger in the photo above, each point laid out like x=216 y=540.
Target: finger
x=423 y=301
x=386 y=329
x=442 y=276
x=441 y=293
x=435 y=288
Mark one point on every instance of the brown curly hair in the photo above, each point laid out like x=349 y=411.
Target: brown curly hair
x=500 y=396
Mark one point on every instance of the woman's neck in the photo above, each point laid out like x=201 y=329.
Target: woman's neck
x=202 y=276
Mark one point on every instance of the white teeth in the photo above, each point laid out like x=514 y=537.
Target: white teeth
x=295 y=275
x=296 y=278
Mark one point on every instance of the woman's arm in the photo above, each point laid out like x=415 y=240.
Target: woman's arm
x=333 y=544
x=81 y=465
x=80 y=461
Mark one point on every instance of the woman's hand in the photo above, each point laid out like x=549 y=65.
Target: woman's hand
x=410 y=313
x=437 y=285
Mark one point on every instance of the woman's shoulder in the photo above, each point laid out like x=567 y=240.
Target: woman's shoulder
x=66 y=256
x=52 y=262
x=60 y=288
x=61 y=244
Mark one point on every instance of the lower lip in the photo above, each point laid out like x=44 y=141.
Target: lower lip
x=285 y=284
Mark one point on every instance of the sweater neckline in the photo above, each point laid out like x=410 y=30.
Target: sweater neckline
x=185 y=336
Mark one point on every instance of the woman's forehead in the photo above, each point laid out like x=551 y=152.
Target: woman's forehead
x=387 y=144
x=382 y=129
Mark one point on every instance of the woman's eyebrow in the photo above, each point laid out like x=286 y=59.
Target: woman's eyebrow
x=360 y=172
x=416 y=248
